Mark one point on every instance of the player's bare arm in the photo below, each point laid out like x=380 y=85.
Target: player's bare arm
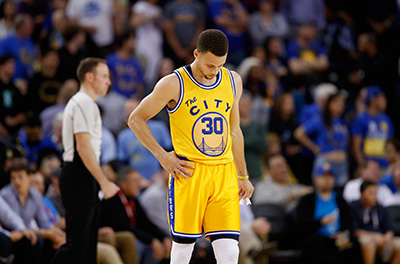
x=245 y=187
x=166 y=92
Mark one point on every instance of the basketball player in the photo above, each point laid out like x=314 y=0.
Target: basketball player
x=208 y=168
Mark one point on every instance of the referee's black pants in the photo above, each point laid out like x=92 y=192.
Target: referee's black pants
x=79 y=191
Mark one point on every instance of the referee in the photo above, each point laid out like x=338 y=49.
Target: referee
x=81 y=174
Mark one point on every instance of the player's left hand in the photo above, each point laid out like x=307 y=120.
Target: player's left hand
x=245 y=189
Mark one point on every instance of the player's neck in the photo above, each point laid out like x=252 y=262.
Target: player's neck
x=199 y=76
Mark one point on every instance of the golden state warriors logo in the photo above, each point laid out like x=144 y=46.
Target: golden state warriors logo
x=210 y=134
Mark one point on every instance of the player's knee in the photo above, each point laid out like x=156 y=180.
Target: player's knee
x=181 y=253
x=226 y=250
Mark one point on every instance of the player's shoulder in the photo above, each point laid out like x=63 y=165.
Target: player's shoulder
x=169 y=82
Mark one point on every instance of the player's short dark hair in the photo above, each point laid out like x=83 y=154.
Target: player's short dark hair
x=214 y=41
x=365 y=185
x=88 y=65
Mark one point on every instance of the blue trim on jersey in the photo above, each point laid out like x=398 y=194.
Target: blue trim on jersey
x=171 y=212
x=184 y=235
x=180 y=96
x=171 y=203
x=227 y=232
x=207 y=87
x=233 y=84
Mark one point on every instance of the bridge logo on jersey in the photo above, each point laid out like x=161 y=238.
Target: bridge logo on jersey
x=210 y=134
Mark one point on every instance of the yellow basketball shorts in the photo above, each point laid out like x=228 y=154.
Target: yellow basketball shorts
x=208 y=199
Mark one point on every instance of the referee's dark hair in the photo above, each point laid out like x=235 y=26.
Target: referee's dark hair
x=88 y=65
x=214 y=41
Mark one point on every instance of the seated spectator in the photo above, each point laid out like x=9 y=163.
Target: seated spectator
x=305 y=55
x=7 y=16
x=132 y=152
x=252 y=72
x=48 y=164
x=332 y=138
x=16 y=241
x=20 y=46
x=35 y=144
x=27 y=203
x=277 y=188
x=372 y=129
x=9 y=155
x=266 y=23
x=37 y=182
x=67 y=90
x=253 y=240
x=12 y=104
x=123 y=212
x=393 y=157
x=123 y=241
x=324 y=221
x=370 y=172
x=109 y=241
x=53 y=192
x=373 y=227
x=45 y=84
x=283 y=123
x=255 y=143
x=126 y=72
x=275 y=61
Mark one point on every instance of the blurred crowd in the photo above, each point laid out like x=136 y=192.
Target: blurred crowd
x=319 y=114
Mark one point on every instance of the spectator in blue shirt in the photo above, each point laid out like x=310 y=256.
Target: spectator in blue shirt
x=35 y=144
x=231 y=17
x=21 y=47
x=305 y=55
x=126 y=73
x=372 y=129
x=324 y=222
x=132 y=152
x=332 y=138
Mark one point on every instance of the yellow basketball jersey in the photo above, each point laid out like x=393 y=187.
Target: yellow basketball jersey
x=199 y=122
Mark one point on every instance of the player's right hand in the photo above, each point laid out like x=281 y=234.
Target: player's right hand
x=175 y=166
x=109 y=189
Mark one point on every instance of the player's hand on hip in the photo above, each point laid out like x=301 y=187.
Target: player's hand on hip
x=175 y=166
x=245 y=189
x=109 y=189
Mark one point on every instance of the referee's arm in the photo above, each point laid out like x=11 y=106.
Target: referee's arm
x=86 y=152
